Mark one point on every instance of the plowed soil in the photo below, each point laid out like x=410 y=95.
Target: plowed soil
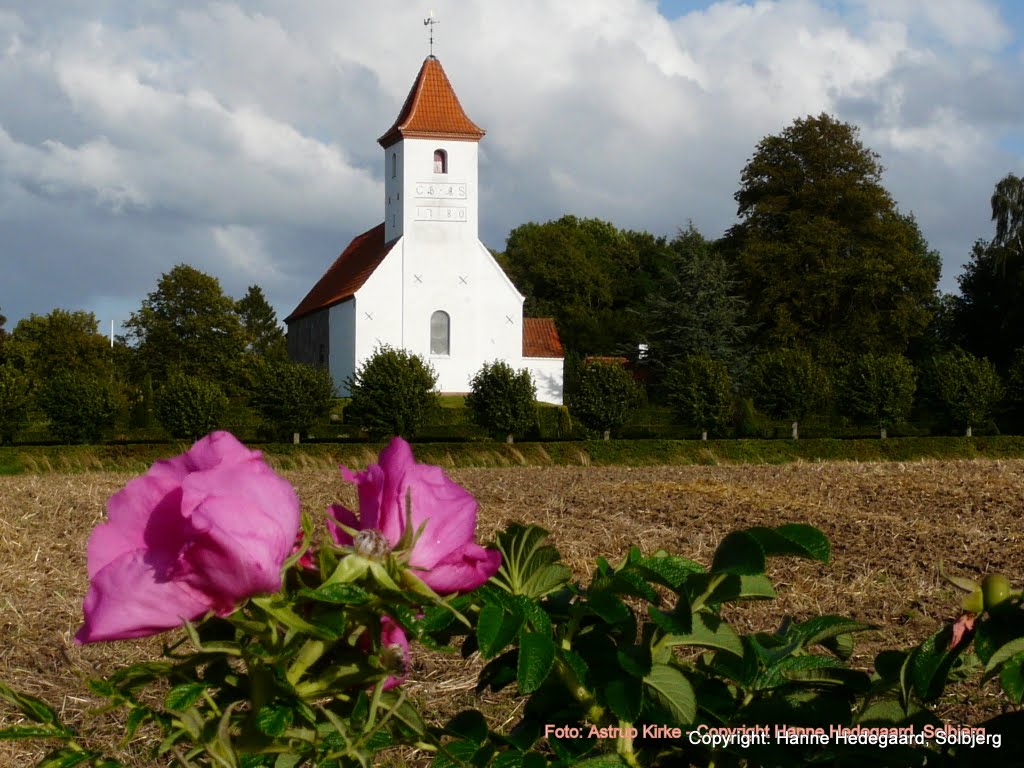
x=890 y=524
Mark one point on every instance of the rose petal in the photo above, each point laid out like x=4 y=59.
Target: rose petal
x=154 y=605
x=463 y=570
x=392 y=635
x=237 y=551
x=345 y=516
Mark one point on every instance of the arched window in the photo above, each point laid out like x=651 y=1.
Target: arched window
x=394 y=165
x=440 y=161
x=440 y=333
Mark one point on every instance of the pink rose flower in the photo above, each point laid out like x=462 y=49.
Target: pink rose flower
x=445 y=554
x=394 y=652
x=200 y=532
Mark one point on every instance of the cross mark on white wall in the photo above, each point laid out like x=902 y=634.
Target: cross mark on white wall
x=418 y=278
x=509 y=320
x=369 y=315
x=463 y=280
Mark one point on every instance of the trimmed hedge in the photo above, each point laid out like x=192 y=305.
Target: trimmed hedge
x=137 y=457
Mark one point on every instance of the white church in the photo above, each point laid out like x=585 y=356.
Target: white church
x=422 y=280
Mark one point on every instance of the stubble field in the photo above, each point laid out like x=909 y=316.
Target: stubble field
x=890 y=525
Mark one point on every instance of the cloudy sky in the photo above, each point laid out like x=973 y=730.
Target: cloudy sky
x=240 y=137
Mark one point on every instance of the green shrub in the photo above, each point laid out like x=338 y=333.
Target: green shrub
x=79 y=407
x=700 y=393
x=605 y=394
x=392 y=392
x=190 y=407
x=966 y=387
x=788 y=384
x=15 y=396
x=502 y=400
x=291 y=397
x=878 y=390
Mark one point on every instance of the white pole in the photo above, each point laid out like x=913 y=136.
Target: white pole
x=111 y=334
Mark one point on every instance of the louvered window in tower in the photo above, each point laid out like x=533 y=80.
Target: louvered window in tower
x=440 y=333
x=440 y=161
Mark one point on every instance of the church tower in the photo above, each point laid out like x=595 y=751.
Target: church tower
x=430 y=165
x=421 y=280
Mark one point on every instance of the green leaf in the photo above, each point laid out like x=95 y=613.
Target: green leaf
x=676 y=622
x=1011 y=678
x=852 y=679
x=1003 y=653
x=66 y=757
x=337 y=594
x=632 y=583
x=667 y=570
x=608 y=606
x=287 y=761
x=136 y=718
x=535 y=615
x=516 y=759
x=822 y=628
x=495 y=629
x=529 y=565
x=634 y=660
x=274 y=719
x=809 y=667
x=733 y=587
x=796 y=539
x=840 y=645
x=739 y=553
x=183 y=696
x=624 y=695
x=36 y=710
x=601 y=761
x=33 y=732
x=709 y=631
x=469 y=724
x=927 y=667
x=673 y=691
x=455 y=754
x=536 y=655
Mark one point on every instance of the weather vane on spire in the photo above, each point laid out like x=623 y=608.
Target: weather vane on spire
x=429 y=22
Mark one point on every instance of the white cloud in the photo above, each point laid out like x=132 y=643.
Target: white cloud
x=241 y=136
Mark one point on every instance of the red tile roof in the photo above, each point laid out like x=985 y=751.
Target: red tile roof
x=540 y=338
x=432 y=110
x=347 y=274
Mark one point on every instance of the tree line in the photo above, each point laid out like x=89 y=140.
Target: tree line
x=822 y=293
x=821 y=299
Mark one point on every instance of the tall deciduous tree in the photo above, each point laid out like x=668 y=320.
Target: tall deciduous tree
x=788 y=384
x=700 y=392
x=263 y=334
x=1008 y=213
x=966 y=387
x=826 y=259
x=15 y=396
x=605 y=395
x=188 y=324
x=291 y=397
x=988 y=315
x=588 y=275
x=695 y=308
x=878 y=390
x=61 y=341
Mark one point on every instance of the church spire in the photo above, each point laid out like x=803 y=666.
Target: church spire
x=432 y=110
